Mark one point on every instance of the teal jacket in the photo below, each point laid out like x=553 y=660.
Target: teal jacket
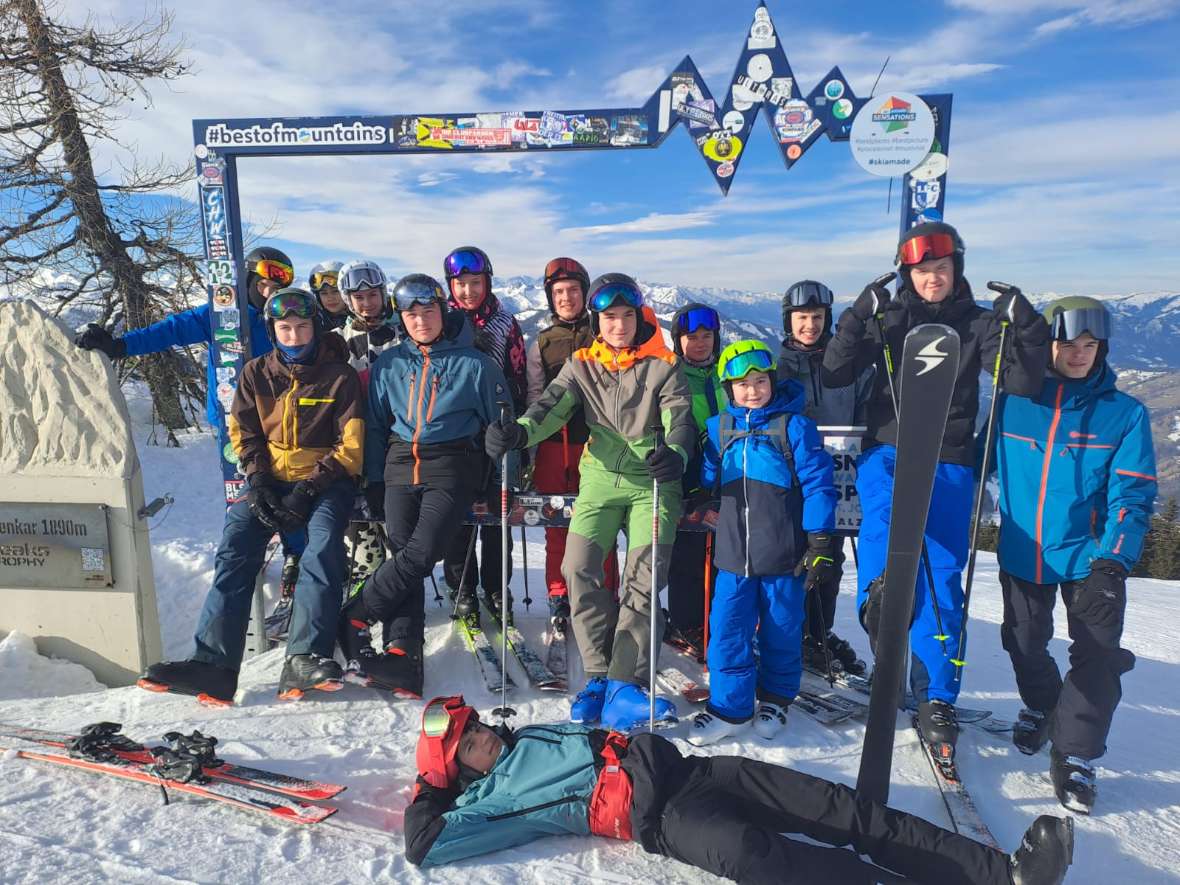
x=540 y=786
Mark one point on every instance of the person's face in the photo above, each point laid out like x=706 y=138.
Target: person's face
x=617 y=325
x=479 y=747
x=366 y=303
x=331 y=299
x=423 y=322
x=807 y=324
x=1075 y=359
x=293 y=331
x=933 y=279
x=267 y=287
x=470 y=289
x=567 y=299
x=753 y=391
x=697 y=345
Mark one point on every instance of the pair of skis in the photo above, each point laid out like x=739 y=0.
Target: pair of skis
x=538 y=672
x=187 y=766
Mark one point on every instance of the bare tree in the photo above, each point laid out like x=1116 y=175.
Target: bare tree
x=130 y=259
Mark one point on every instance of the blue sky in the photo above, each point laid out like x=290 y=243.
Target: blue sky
x=1064 y=156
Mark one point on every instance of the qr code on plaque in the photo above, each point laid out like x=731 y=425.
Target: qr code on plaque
x=93 y=559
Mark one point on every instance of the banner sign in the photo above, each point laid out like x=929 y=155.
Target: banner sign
x=54 y=546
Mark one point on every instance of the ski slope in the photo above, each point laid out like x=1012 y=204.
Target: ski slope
x=60 y=825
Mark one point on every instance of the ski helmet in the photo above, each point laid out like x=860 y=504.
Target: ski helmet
x=467 y=259
x=695 y=316
x=803 y=294
x=443 y=722
x=743 y=357
x=288 y=302
x=1074 y=315
x=268 y=262
x=565 y=269
x=610 y=290
x=418 y=288
x=923 y=242
x=326 y=273
x=362 y=274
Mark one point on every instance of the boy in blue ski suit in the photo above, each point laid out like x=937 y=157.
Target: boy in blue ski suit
x=933 y=290
x=1077 y=485
x=778 y=514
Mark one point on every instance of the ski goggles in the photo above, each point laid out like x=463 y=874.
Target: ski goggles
x=698 y=318
x=322 y=278
x=443 y=722
x=925 y=248
x=281 y=273
x=411 y=292
x=743 y=357
x=463 y=261
x=616 y=293
x=362 y=277
x=563 y=269
x=809 y=293
x=1069 y=324
x=290 y=302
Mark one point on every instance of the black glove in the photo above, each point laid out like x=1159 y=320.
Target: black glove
x=504 y=436
x=820 y=560
x=383 y=334
x=375 y=500
x=298 y=503
x=870 y=302
x=664 y=464
x=1015 y=308
x=1100 y=600
x=265 y=503
x=95 y=337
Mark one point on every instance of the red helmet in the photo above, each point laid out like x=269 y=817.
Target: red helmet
x=565 y=269
x=443 y=723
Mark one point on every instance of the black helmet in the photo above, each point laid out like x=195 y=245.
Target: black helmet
x=692 y=316
x=565 y=269
x=804 y=294
x=922 y=242
x=418 y=288
x=277 y=260
x=610 y=289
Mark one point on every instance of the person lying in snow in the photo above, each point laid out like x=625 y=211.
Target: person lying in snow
x=481 y=789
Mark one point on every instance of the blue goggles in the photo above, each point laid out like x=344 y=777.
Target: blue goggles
x=411 y=292
x=616 y=293
x=463 y=261
x=699 y=318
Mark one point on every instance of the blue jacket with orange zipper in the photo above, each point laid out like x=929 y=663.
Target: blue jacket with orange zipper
x=1077 y=478
x=428 y=407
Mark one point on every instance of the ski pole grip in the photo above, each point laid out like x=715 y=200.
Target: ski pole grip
x=879 y=283
x=1002 y=288
x=657 y=431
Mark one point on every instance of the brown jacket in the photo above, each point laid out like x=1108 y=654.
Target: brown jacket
x=300 y=422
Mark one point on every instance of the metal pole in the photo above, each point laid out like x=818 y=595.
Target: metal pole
x=504 y=711
x=658 y=432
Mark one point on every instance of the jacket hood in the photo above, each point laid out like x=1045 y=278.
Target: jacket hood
x=649 y=345
x=332 y=349
x=1080 y=392
x=789 y=398
x=693 y=305
x=457 y=333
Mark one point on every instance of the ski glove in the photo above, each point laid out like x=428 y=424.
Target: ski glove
x=95 y=337
x=870 y=302
x=1100 y=600
x=298 y=503
x=375 y=500
x=664 y=464
x=265 y=503
x=819 y=561
x=504 y=436
x=1015 y=308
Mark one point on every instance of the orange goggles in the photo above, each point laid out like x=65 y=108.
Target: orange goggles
x=283 y=274
x=925 y=248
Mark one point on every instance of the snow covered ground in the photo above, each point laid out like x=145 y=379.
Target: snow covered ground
x=58 y=825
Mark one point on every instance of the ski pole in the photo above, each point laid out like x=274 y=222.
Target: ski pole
x=708 y=595
x=658 y=433
x=467 y=559
x=524 y=555
x=855 y=556
x=959 y=659
x=818 y=606
x=504 y=711
x=894 y=393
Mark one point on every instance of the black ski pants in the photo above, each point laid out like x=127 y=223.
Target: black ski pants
x=1083 y=704
x=821 y=601
x=727 y=814
x=488 y=569
x=420 y=521
x=686 y=580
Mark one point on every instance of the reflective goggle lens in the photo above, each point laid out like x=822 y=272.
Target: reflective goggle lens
x=406 y=295
x=1069 y=324
x=466 y=261
x=741 y=365
x=809 y=293
x=436 y=719
x=324 y=278
x=283 y=274
x=924 y=248
x=610 y=295
x=287 y=304
x=562 y=269
x=699 y=318
x=361 y=278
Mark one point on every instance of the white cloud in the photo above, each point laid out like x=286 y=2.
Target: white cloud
x=656 y=222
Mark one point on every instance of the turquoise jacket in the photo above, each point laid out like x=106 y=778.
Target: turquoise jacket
x=1077 y=478
x=540 y=786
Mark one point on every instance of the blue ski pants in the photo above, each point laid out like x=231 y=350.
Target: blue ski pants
x=932 y=673
x=221 y=631
x=772 y=605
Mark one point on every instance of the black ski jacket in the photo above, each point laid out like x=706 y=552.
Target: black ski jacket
x=857 y=345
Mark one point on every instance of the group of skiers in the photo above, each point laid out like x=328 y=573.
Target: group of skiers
x=419 y=395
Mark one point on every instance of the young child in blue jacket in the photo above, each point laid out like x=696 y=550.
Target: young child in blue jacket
x=1077 y=485
x=778 y=508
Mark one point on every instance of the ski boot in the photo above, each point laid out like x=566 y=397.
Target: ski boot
x=586 y=708
x=1074 y=781
x=814 y=657
x=355 y=640
x=212 y=686
x=492 y=601
x=289 y=576
x=559 y=606
x=467 y=608
x=769 y=720
x=940 y=728
x=1030 y=732
x=841 y=650
x=1045 y=852
x=709 y=728
x=688 y=641
x=304 y=673
x=398 y=670
x=627 y=706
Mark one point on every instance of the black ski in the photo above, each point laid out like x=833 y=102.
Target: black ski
x=926 y=380
x=534 y=668
x=557 y=648
x=965 y=817
x=485 y=656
